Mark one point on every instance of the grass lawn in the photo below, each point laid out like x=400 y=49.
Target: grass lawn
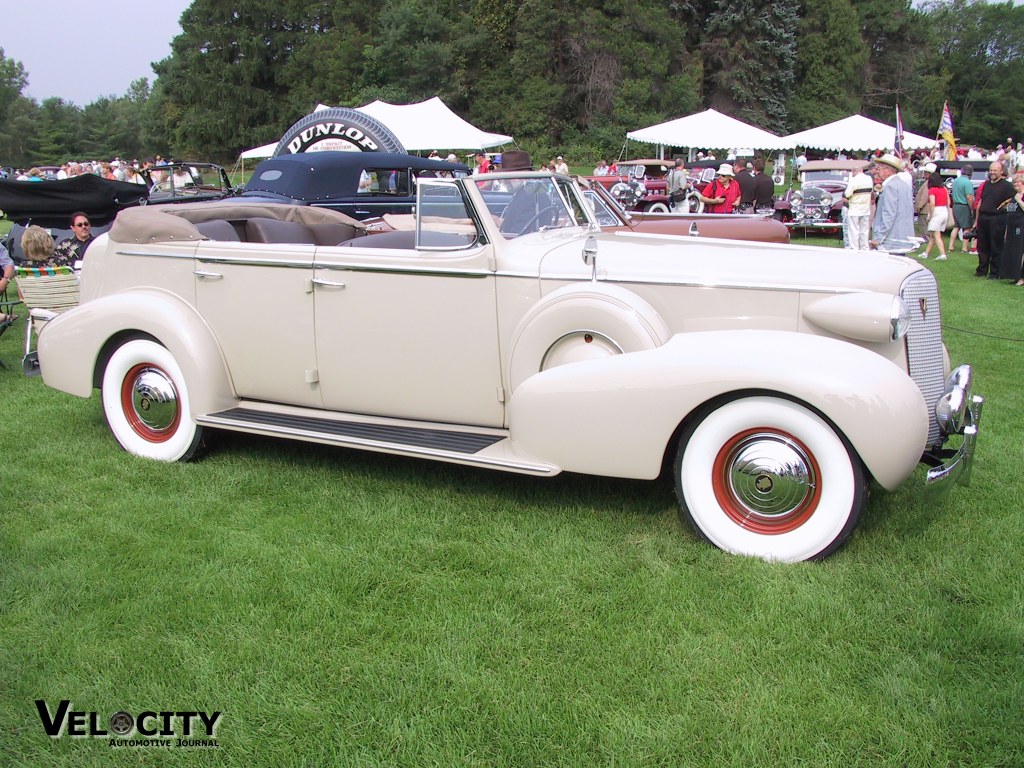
x=343 y=608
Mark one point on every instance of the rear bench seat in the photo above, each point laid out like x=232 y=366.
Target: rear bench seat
x=407 y=240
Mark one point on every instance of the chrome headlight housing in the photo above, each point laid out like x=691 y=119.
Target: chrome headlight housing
x=899 y=318
x=796 y=201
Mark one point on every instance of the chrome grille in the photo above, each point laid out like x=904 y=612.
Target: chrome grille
x=924 y=342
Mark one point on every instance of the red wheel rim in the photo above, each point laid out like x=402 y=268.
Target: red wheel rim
x=766 y=481
x=149 y=402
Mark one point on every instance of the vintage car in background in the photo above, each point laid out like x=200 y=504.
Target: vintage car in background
x=642 y=186
x=950 y=169
x=176 y=182
x=362 y=185
x=818 y=202
x=731 y=226
x=507 y=331
x=50 y=204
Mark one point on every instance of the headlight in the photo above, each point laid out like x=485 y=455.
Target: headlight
x=899 y=318
x=796 y=201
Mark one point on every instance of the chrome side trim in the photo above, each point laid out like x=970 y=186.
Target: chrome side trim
x=251 y=262
x=190 y=255
x=579 y=278
x=404 y=270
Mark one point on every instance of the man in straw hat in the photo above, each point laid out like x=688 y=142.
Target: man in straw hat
x=893 y=227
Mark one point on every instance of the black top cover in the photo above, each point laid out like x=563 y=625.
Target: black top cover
x=51 y=203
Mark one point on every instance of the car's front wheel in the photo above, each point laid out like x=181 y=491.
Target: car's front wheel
x=768 y=477
x=146 y=403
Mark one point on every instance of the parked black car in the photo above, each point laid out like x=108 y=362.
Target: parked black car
x=50 y=204
x=362 y=185
x=949 y=169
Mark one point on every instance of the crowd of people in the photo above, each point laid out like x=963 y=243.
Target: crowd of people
x=988 y=220
x=114 y=170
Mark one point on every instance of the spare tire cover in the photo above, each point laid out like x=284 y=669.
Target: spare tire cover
x=338 y=128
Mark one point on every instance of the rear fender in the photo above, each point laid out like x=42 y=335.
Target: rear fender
x=617 y=416
x=74 y=346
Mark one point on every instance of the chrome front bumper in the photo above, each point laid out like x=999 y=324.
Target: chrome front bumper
x=959 y=413
x=814 y=224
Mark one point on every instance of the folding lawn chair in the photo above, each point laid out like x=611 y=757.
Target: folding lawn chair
x=7 y=316
x=46 y=292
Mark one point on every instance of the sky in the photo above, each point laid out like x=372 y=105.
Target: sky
x=80 y=50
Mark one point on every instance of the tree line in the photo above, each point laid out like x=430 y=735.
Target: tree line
x=561 y=76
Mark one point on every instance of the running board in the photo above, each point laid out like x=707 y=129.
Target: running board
x=486 y=448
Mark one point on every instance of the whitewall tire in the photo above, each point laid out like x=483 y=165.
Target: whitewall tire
x=767 y=477
x=657 y=208
x=146 y=403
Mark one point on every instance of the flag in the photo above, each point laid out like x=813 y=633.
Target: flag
x=946 y=131
x=897 y=145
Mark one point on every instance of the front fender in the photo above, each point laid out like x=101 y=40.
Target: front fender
x=71 y=345
x=616 y=416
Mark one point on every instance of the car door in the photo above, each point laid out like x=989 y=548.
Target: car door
x=258 y=300
x=408 y=333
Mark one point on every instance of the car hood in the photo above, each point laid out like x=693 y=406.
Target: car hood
x=664 y=259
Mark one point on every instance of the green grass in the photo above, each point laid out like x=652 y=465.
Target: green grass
x=343 y=608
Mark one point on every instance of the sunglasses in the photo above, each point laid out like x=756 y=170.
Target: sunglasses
x=82 y=224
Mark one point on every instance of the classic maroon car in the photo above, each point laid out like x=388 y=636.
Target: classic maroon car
x=641 y=185
x=728 y=226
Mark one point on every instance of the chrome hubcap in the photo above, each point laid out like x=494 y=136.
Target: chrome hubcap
x=770 y=477
x=154 y=400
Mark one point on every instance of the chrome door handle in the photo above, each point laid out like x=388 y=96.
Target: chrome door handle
x=208 y=275
x=327 y=283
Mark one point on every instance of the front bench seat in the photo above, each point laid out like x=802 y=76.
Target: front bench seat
x=218 y=229
x=262 y=230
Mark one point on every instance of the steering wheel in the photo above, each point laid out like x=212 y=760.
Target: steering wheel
x=528 y=227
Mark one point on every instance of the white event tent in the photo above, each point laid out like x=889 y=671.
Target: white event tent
x=428 y=124
x=857 y=133
x=709 y=129
x=431 y=124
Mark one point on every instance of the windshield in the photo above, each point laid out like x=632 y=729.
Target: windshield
x=642 y=170
x=531 y=204
x=836 y=176
x=604 y=208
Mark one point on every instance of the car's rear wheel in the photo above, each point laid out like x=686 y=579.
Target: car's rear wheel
x=657 y=208
x=770 y=478
x=146 y=403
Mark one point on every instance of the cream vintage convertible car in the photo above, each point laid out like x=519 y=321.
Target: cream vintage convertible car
x=499 y=327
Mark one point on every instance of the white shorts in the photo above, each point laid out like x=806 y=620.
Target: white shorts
x=937 y=223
